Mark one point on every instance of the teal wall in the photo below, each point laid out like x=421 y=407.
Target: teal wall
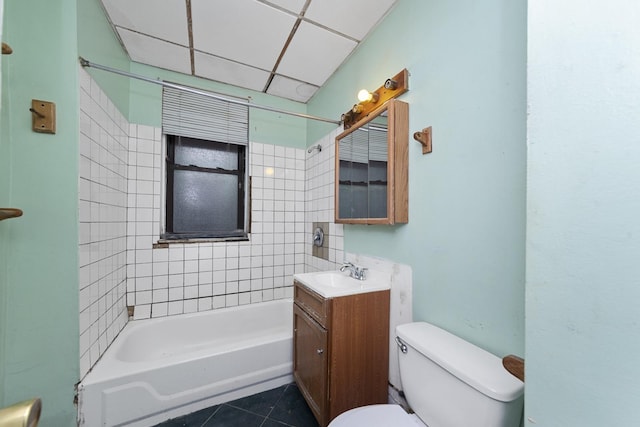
x=39 y=174
x=583 y=211
x=466 y=230
x=98 y=43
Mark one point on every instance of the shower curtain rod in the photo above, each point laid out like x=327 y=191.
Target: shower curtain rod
x=86 y=63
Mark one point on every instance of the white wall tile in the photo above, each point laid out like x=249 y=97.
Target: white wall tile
x=103 y=221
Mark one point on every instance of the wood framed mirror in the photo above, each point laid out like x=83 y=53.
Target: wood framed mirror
x=372 y=162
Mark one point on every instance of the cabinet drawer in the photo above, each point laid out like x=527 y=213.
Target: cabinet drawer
x=315 y=305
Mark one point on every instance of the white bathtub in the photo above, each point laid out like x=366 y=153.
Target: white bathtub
x=162 y=368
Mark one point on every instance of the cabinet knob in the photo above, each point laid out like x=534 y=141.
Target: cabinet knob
x=320 y=351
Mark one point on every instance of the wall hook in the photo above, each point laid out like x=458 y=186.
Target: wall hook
x=424 y=138
x=43 y=116
x=6 y=49
x=37 y=113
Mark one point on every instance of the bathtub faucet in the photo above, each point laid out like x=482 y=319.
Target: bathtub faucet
x=359 y=273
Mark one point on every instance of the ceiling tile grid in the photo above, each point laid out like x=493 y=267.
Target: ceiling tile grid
x=352 y=18
x=156 y=52
x=291 y=89
x=314 y=54
x=245 y=31
x=287 y=48
x=144 y=16
x=224 y=70
x=293 y=6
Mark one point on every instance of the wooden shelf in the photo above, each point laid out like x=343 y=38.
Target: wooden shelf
x=6 y=213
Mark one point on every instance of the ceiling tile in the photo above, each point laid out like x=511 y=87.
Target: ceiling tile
x=291 y=89
x=314 y=54
x=294 y=6
x=156 y=52
x=242 y=30
x=353 y=18
x=222 y=70
x=168 y=22
x=239 y=41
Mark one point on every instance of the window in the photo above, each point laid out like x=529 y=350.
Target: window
x=206 y=167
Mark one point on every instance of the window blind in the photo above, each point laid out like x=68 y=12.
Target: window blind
x=365 y=144
x=378 y=143
x=199 y=116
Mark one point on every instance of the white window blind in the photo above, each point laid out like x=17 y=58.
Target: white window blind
x=365 y=144
x=202 y=117
x=378 y=143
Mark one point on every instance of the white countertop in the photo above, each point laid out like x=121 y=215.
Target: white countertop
x=334 y=283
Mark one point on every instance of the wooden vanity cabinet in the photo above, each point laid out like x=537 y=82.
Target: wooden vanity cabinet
x=341 y=350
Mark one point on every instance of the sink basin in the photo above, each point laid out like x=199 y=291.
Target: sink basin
x=333 y=283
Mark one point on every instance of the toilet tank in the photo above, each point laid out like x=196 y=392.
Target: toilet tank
x=449 y=382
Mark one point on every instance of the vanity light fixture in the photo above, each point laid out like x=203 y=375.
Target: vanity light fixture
x=368 y=101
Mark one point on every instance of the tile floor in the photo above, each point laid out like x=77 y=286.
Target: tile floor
x=283 y=406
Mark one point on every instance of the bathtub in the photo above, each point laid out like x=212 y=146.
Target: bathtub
x=162 y=368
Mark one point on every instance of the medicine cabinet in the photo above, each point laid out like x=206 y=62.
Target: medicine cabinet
x=371 y=185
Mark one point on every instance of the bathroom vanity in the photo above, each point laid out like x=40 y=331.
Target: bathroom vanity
x=341 y=344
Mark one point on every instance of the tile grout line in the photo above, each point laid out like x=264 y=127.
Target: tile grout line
x=211 y=416
x=275 y=404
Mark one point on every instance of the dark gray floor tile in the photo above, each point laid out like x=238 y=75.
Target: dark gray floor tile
x=280 y=407
x=261 y=403
x=271 y=423
x=195 y=419
x=292 y=409
x=228 y=416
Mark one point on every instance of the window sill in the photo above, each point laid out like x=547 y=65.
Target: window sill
x=162 y=243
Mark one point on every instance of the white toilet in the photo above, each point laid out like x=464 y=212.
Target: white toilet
x=448 y=382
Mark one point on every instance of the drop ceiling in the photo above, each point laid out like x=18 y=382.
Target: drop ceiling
x=286 y=48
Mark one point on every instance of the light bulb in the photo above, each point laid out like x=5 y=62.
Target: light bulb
x=365 y=96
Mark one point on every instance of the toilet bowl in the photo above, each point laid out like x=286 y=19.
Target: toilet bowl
x=448 y=382
x=377 y=416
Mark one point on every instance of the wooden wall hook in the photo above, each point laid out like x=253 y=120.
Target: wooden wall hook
x=43 y=114
x=424 y=138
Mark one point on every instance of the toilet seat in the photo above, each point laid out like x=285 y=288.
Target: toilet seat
x=377 y=416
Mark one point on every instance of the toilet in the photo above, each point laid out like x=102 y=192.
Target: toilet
x=448 y=382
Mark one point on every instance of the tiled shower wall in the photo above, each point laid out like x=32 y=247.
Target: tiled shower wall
x=102 y=221
x=190 y=277
x=319 y=206
x=120 y=184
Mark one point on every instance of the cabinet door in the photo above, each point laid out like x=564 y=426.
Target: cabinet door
x=310 y=362
x=372 y=158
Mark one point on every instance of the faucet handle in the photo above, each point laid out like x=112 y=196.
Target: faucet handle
x=362 y=273
x=345 y=265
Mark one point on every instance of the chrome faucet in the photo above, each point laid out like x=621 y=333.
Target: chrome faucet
x=358 y=273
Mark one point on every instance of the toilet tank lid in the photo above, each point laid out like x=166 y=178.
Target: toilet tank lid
x=473 y=365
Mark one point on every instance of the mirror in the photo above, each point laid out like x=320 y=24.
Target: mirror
x=371 y=168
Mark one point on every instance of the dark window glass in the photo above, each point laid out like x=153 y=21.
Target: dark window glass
x=205 y=189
